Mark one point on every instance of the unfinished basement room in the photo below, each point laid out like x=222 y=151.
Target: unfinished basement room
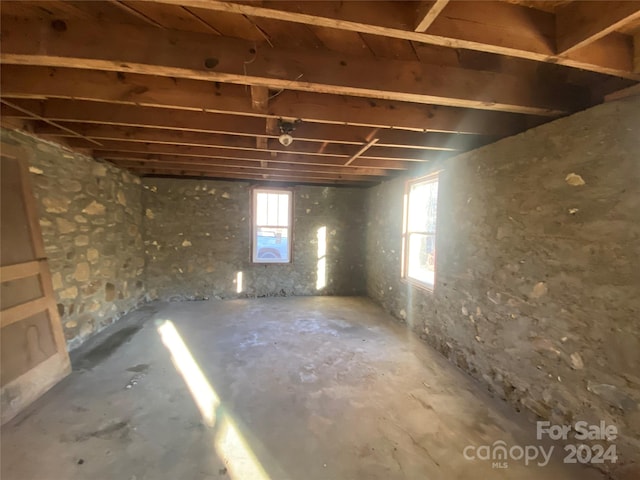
x=320 y=240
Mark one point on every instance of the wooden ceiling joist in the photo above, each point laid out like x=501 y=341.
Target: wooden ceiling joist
x=235 y=152
x=360 y=152
x=197 y=139
x=265 y=177
x=529 y=32
x=259 y=98
x=256 y=169
x=221 y=168
x=115 y=149
x=56 y=126
x=145 y=90
x=181 y=162
x=247 y=170
x=135 y=13
x=199 y=87
x=95 y=115
x=581 y=23
x=362 y=169
x=259 y=102
x=427 y=13
x=205 y=57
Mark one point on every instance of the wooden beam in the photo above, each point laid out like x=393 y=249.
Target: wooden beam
x=632 y=91
x=177 y=18
x=57 y=126
x=204 y=57
x=135 y=13
x=198 y=171
x=357 y=174
x=63 y=10
x=581 y=23
x=259 y=102
x=511 y=30
x=263 y=180
x=636 y=52
x=131 y=149
x=16 y=123
x=225 y=152
x=361 y=151
x=259 y=98
x=274 y=130
x=262 y=143
x=98 y=115
x=144 y=157
x=147 y=135
x=181 y=162
x=180 y=94
x=426 y=18
x=231 y=169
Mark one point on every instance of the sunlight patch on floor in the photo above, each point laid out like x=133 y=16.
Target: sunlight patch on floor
x=230 y=445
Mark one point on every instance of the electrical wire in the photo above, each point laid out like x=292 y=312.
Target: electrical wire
x=253 y=59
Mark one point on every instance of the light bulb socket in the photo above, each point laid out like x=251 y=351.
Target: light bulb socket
x=285 y=139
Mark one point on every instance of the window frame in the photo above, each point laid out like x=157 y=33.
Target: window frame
x=425 y=179
x=254 y=224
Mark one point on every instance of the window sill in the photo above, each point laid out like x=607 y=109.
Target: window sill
x=418 y=284
x=271 y=263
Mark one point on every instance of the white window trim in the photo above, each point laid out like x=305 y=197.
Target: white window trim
x=254 y=226
x=432 y=177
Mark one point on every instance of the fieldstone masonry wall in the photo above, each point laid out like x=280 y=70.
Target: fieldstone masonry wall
x=198 y=234
x=90 y=213
x=538 y=269
x=538 y=276
x=196 y=238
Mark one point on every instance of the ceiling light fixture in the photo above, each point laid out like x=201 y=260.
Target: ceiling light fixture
x=286 y=128
x=285 y=139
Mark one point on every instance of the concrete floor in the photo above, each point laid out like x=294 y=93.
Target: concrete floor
x=281 y=388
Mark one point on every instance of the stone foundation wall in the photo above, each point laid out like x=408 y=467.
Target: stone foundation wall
x=198 y=237
x=90 y=213
x=196 y=234
x=538 y=277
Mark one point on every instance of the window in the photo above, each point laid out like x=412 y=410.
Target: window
x=271 y=225
x=419 y=236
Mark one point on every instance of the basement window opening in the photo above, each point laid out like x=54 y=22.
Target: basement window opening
x=419 y=232
x=271 y=233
